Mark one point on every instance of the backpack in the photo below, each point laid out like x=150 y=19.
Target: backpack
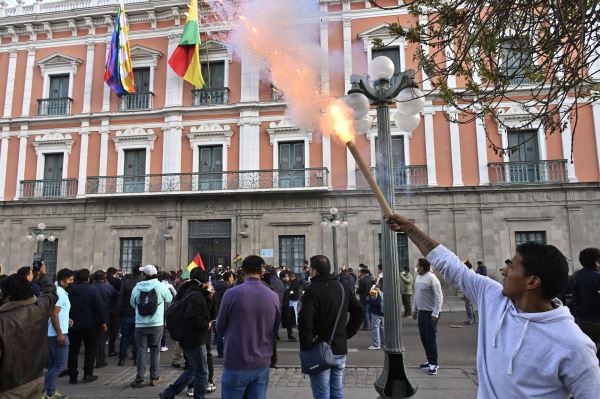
x=175 y=318
x=147 y=303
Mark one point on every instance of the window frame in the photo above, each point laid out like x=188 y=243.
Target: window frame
x=292 y=237
x=141 y=248
x=528 y=234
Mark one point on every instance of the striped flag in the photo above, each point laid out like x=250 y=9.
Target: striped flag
x=118 y=73
x=185 y=60
x=196 y=262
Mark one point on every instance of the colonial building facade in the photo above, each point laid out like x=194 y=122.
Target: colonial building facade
x=158 y=176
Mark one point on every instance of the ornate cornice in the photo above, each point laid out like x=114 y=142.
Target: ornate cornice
x=54 y=141
x=210 y=132
x=285 y=129
x=135 y=134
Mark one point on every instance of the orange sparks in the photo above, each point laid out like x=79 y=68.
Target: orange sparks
x=340 y=121
x=254 y=30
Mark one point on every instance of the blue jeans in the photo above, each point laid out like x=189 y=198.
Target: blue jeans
x=220 y=342
x=367 y=319
x=470 y=310
x=196 y=372
x=252 y=382
x=127 y=333
x=376 y=329
x=57 y=361
x=427 y=332
x=147 y=337
x=329 y=384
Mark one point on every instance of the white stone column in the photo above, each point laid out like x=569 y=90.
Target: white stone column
x=174 y=96
x=484 y=177
x=250 y=140
x=22 y=159
x=10 y=82
x=89 y=76
x=326 y=141
x=106 y=92
x=455 y=150
x=3 y=160
x=104 y=130
x=596 y=113
x=425 y=48
x=347 y=34
x=430 y=147
x=28 y=81
x=250 y=79
x=566 y=136
x=83 y=158
x=172 y=134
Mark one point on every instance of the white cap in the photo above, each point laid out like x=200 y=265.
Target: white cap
x=149 y=270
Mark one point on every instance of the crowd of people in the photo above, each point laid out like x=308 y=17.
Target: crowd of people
x=241 y=312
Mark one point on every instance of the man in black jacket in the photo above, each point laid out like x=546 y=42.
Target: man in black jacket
x=23 y=336
x=127 y=314
x=365 y=282
x=197 y=322
x=586 y=295
x=88 y=321
x=320 y=304
x=112 y=276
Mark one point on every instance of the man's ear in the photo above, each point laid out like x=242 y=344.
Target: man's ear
x=533 y=283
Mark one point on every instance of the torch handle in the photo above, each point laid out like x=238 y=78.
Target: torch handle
x=387 y=210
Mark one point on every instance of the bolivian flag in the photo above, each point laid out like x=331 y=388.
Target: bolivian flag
x=185 y=60
x=196 y=262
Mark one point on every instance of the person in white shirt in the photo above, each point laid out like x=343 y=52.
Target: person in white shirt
x=426 y=306
x=528 y=345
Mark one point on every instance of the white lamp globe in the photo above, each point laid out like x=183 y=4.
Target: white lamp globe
x=324 y=224
x=51 y=238
x=30 y=237
x=410 y=101
x=407 y=123
x=359 y=104
x=381 y=68
x=40 y=237
x=362 y=126
x=336 y=223
x=333 y=211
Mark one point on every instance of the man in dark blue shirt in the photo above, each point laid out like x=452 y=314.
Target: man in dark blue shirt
x=586 y=295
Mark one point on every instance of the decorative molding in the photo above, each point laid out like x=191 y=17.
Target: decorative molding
x=530 y=219
x=135 y=135
x=47 y=29
x=57 y=60
x=72 y=26
x=208 y=132
x=152 y=19
x=145 y=54
x=285 y=129
x=216 y=50
x=54 y=141
x=89 y=24
x=286 y=224
x=31 y=32
x=519 y=117
x=129 y=226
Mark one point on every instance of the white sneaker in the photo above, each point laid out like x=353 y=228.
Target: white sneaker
x=211 y=387
x=374 y=348
x=433 y=369
x=164 y=348
x=190 y=392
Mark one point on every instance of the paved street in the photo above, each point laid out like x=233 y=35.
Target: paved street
x=456 y=378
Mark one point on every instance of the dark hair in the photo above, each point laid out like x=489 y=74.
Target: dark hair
x=380 y=267
x=24 y=271
x=321 y=264
x=468 y=264
x=547 y=263
x=37 y=265
x=111 y=271
x=64 y=274
x=588 y=257
x=508 y=262
x=199 y=274
x=479 y=263
x=406 y=269
x=424 y=263
x=82 y=276
x=99 y=275
x=17 y=288
x=252 y=264
x=227 y=274
x=136 y=270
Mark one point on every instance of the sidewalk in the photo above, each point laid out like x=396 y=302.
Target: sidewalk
x=113 y=382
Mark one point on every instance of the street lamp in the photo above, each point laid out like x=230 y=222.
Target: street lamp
x=334 y=220
x=393 y=381
x=39 y=235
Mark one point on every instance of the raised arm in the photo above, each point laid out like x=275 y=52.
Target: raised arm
x=443 y=260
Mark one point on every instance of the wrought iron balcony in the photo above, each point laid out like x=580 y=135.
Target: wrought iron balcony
x=252 y=180
x=136 y=101
x=41 y=189
x=528 y=172
x=54 y=106
x=405 y=176
x=201 y=97
x=276 y=95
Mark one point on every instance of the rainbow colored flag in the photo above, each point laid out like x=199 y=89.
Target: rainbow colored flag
x=185 y=60
x=118 y=73
x=196 y=262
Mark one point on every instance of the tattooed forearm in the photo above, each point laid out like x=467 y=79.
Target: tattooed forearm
x=425 y=243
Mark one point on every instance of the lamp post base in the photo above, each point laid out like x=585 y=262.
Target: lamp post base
x=393 y=381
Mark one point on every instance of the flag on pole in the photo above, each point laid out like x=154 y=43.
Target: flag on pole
x=196 y=262
x=185 y=60
x=237 y=258
x=118 y=73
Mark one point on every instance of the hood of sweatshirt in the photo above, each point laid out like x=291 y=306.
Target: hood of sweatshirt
x=559 y=313
x=148 y=285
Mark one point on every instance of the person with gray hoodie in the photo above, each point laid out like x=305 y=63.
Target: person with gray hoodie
x=528 y=343
x=148 y=298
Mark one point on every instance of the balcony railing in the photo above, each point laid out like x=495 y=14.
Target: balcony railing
x=405 y=176
x=54 y=106
x=136 y=101
x=202 y=97
x=528 y=172
x=40 y=189
x=276 y=95
x=209 y=182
